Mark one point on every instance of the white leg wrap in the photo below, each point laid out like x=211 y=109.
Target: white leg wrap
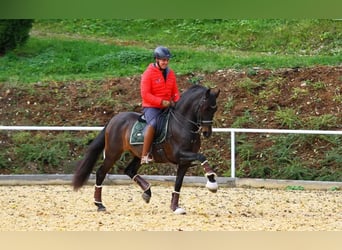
x=206 y=161
x=179 y=210
x=212 y=186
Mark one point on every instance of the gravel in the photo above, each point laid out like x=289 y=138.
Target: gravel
x=59 y=208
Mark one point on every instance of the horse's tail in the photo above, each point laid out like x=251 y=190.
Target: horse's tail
x=86 y=165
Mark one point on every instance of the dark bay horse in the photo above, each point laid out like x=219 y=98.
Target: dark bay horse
x=192 y=115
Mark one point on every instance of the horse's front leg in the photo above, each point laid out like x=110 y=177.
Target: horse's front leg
x=182 y=168
x=209 y=172
x=131 y=170
x=145 y=186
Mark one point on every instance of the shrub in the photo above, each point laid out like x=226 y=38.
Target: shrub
x=287 y=118
x=13 y=33
x=326 y=121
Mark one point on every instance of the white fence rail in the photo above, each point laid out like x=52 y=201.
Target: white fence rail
x=232 y=132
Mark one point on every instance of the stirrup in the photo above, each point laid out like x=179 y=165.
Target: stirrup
x=146 y=160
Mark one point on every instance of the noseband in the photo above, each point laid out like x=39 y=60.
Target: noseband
x=200 y=121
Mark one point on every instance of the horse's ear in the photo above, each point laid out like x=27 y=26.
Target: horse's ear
x=215 y=93
x=207 y=94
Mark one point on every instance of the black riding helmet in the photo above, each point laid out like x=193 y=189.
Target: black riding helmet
x=162 y=52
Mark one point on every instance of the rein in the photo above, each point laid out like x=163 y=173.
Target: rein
x=174 y=115
x=199 y=121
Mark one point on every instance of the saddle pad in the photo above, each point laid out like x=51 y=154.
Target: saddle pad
x=137 y=133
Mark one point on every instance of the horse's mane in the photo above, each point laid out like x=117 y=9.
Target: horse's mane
x=195 y=91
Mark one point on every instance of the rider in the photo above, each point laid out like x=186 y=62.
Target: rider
x=159 y=90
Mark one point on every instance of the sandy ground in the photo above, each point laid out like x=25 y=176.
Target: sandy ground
x=59 y=208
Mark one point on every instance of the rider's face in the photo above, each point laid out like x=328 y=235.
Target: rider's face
x=163 y=62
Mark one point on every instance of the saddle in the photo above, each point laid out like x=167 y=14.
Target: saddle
x=137 y=133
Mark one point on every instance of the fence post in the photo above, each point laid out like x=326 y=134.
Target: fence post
x=232 y=154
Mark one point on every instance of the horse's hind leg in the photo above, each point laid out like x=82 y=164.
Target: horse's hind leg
x=132 y=171
x=100 y=176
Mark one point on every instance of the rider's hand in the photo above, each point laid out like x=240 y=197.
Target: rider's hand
x=165 y=103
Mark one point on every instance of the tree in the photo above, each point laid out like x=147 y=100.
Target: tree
x=13 y=33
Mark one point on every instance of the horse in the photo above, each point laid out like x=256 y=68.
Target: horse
x=191 y=117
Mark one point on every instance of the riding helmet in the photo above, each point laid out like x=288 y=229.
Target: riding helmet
x=162 y=52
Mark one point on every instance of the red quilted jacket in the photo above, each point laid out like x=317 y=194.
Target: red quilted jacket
x=154 y=89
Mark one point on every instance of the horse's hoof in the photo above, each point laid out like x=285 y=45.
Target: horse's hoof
x=100 y=207
x=212 y=186
x=179 y=210
x=146 y=197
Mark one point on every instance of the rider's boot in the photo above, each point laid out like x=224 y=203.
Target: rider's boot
x=148 y=139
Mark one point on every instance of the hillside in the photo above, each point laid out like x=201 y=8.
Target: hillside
x=295 y=98
x=272 y=73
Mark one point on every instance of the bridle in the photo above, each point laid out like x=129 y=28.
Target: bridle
x=199 y=120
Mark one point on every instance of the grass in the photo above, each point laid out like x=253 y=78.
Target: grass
x=269 y=35
x=39 y=152
x=283 y=155
x=294 y=188
x=50 y=60
x=324 y=122
x=61 y=50
x=43 y=60
x=287 y=118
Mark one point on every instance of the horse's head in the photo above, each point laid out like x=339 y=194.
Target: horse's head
x=196 y=108
x=207 y=109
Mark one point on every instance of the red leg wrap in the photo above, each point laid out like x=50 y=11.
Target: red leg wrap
x=174 y=201
x=98 y=194
x=207 y=168
x=141 y=182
